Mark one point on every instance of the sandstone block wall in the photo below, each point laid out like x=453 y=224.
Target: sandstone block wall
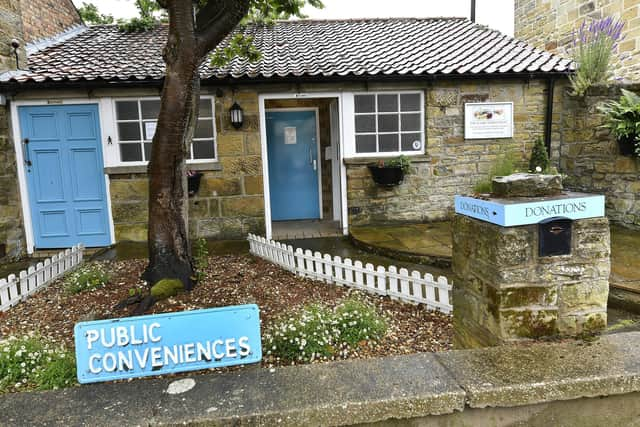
x=453 y=165
x=12 y=244
x=230 y=202
x=548 y=24
x=505 y=292
x=590 y=160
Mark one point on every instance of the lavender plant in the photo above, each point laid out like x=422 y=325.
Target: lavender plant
x=593 y=48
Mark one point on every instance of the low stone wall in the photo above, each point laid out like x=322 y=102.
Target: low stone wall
x=589 y=156
x=534 y=385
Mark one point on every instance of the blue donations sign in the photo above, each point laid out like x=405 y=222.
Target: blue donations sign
x=167 y=343
x=507 y=213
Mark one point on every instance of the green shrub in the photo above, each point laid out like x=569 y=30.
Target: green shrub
x=86 y=277
x=358 y=321
x=30 y=362
x=318 y=332
x=200 y=258
x=593 y=50
x=539 y=162
x=402 y=162
x=505 y=164
x=622 y=117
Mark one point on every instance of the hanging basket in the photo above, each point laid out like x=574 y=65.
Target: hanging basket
x=386 y=176
x=627 y=146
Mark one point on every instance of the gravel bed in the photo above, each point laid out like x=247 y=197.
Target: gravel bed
x=229 y=280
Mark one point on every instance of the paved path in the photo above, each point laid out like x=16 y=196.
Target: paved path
x=428 y=242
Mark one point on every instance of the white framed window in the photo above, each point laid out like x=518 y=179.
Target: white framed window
x=136 y=120
x=384 y=124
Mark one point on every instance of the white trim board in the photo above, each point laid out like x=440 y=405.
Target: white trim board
x=22 y=177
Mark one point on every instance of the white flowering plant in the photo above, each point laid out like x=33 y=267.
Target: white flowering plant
x=86 y=277
x=29 y=362
x=317 y=332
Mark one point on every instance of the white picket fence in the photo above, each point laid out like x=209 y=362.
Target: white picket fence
x=15 y=289
x=397 y=283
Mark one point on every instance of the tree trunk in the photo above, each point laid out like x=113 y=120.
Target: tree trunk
x=168 y=237
x=187 y=46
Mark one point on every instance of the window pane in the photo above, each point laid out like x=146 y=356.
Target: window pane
x=203 y=150
x=365 y=103
x=387 y=123
x=127 y=110
x=204 y=129
x=410 y=122
x=205 y=108
x=365 y=143
x=150 y=109
x=410 y=102
x=366 y=123
x=387 y=103
x=388 y=142
x=130 y=153
x=129 y=131
x=408 y=140
x=147 y=151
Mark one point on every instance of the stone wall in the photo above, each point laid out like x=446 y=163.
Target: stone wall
x=12 y=243
x=230 y=201
x=505 y=292
x=10 y=28
x=590 y=159
x=548 y=24
x=453 y=165
x=46 y=18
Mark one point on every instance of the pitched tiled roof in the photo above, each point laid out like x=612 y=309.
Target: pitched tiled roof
x=333 y=48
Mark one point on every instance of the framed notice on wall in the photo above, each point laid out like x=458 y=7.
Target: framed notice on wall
x=484 y=120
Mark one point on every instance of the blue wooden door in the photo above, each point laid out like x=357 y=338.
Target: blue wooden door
x=292 y=149
x=65 y=177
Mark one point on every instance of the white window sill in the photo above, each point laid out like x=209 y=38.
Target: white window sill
x=419 y=158
x=127 y=169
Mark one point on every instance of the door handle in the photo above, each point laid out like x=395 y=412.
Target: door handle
x=315 y=165
x=25 y=152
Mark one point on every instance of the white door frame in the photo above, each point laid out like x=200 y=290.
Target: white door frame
x=316 y=110
x=103 y=106
x=262 y=98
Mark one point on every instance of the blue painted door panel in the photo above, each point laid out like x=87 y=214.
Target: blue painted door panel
x=66 y=183
x=293 y=159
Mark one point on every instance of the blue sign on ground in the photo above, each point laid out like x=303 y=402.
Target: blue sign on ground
x=510 y=213
x=167 y=343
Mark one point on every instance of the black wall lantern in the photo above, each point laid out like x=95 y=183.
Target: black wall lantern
x=237 y=116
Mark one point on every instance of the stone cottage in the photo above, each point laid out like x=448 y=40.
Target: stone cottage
x=326 y=99
x=550 y=24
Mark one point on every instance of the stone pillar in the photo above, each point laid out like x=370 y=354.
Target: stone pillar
x=504 y=291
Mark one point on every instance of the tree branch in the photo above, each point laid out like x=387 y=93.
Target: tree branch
x=215 y=20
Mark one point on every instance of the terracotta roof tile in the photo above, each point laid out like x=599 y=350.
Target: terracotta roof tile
x=366 y=47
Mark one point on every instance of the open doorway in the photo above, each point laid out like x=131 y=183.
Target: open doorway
x=303 y=170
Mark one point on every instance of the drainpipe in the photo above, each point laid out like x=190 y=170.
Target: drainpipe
x=549 y=115
x=473 y=11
